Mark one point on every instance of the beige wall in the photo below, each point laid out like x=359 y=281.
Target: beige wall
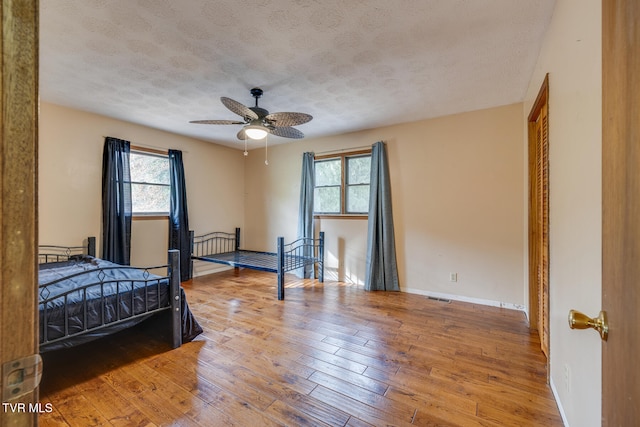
x=70 y=181
x=571 y=54
x=458 y=190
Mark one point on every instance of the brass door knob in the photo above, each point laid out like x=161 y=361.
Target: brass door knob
x=579 y=320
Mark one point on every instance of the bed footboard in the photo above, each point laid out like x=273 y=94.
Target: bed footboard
x=174 y=294
x=84 y=299
x=299 y=254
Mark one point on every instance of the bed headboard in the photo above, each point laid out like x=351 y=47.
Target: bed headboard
x=214 y=243
x=56 y=253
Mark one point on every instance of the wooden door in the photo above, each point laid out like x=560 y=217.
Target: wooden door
x=539 y=216
x=18 y=203
x=621 y=211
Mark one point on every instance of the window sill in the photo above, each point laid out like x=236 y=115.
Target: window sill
x=149 y=217
x=341 y=216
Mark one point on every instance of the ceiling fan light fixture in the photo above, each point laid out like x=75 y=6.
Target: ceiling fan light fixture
x=255 y=131
x=257 y=122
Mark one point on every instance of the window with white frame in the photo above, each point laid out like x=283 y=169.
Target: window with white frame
x=342 y=184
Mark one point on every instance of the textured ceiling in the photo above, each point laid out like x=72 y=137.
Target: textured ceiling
x=352 y=64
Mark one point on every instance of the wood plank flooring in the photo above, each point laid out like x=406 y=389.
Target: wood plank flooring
x=330 y=354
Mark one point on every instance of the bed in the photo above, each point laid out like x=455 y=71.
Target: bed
x=82 y=297
x=224 y=248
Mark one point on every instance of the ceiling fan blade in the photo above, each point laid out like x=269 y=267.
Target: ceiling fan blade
x=238 y=108
x=287 y=132
x=288 y=119
x=217 y=122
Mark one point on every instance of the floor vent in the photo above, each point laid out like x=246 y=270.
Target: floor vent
x=440 y=299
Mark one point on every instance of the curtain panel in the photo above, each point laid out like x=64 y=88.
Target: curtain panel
x=116 y=201
x=178 y=214
x=305 y=210
x=381 y=272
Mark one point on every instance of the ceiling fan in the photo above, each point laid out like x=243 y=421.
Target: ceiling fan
x=258 y=122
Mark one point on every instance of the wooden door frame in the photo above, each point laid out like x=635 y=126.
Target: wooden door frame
x=19 y=196
x=541 y=101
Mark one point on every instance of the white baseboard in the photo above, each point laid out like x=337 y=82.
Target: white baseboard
x=461 y=298
x=558 y=402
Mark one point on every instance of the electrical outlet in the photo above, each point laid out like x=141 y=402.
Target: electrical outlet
x=453 y=277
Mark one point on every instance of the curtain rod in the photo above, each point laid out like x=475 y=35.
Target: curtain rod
x=150 y=147
x=342 y=150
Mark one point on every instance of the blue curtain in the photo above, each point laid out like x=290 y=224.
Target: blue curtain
x=381 y=268
x=116 y=201
x=178 y=214
x=305 y=210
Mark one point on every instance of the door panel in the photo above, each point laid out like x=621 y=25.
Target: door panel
x=621 y=211
x=543 y=228
x=539 y=216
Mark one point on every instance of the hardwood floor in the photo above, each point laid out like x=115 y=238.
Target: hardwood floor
x=330 y=354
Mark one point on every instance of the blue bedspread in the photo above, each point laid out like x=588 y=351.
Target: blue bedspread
x=87 y=293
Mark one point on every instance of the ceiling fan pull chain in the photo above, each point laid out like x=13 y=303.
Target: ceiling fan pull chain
x=266 y=145
x=246 y=153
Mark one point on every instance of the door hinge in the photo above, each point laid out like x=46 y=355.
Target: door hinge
x=21 y=376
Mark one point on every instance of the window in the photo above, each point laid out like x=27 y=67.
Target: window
x=342 y=184
x=326 y=197
x=150 y=184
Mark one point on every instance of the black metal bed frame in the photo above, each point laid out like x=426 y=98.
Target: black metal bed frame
x=224 y=248
x=52 y=253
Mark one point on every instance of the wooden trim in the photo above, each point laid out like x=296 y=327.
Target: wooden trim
x=343 y=183
x=344 y=150
x=340 y=216
x=139 y=217
x=533 y=264
x=19 y=196
x=149 y=150
x=342 y=154
x=541 y=100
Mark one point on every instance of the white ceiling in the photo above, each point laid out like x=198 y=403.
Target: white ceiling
x=352 y=64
